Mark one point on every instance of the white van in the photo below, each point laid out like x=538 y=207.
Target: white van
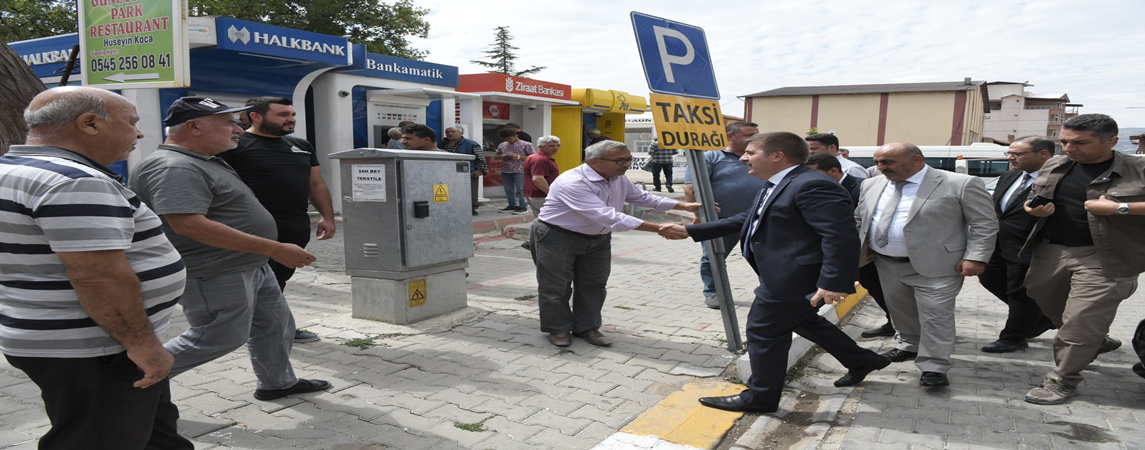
x=978 y=159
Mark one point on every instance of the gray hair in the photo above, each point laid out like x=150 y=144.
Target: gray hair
x=599 y=149
x=911 y=149
x=593 y=131
x=64 y=110
x=394 y=133
x=544 y=140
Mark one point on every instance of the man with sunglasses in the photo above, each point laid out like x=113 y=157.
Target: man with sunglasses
x=571 y=240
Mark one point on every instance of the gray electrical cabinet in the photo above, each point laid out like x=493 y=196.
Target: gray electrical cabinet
x=408 y=231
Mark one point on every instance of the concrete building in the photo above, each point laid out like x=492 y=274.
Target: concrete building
x=941 y=113
x=1016 y=112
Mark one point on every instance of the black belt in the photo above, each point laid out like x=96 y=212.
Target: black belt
x=895 y=258
x=590 y=236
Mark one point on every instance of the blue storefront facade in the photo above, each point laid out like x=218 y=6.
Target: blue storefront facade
x=344 y=95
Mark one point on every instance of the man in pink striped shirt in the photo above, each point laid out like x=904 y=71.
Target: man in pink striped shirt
x=571 y=240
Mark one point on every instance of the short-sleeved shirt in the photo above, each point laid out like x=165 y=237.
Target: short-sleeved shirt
x=54 y=200
x=543 y=165
x=173 y=180
x=277 y=170
x=732 y=187
x=517 y=148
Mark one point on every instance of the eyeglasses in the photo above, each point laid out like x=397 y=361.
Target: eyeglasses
x=619 y=162
x=1014 y=154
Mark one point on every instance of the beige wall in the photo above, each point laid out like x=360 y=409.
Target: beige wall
x=854 y=117
x=975 y=117
x=782 y=114
x=921 y=118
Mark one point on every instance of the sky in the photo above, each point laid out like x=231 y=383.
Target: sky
x=1093 y=51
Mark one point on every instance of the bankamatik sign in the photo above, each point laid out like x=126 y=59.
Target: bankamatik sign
x=133 y=44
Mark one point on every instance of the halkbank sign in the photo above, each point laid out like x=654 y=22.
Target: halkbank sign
x=269 y=40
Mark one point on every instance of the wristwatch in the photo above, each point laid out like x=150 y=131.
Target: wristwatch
x=1123 y=208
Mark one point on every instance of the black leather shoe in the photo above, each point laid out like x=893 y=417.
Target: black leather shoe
x=853 y=377
x=560 y=339
x=933 y=379
x=883 y=331
x=1108 y=345
x=896 y=355
x=735 y=403
x=302 y=387
x=1005 y=346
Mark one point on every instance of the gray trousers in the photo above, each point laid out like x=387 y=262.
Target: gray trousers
x=1069 y=286
x=922 y=312
x=535 y=204
x=570 y=266
x=230 y=310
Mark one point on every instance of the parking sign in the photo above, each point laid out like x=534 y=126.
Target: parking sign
x=675 y=57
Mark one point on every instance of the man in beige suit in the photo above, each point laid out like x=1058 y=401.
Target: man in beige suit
x=925 y=229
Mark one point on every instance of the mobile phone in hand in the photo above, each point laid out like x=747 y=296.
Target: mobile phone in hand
x=1039 y=201
x=818 y=304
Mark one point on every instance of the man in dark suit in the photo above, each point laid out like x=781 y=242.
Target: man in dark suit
x=798 y=239
x=868 y=274
x=1005 y=274
x=830 y=166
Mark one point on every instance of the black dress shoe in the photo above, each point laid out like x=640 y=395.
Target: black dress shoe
x=933 y=379
x=896 y=355
x=883 y=331
x=1005 y=346
x=735 y=403
x=301 y=387
x=853 y=377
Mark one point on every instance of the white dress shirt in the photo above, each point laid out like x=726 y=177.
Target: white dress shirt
x=774 y=179
x=896 y=246
x=1014 y=188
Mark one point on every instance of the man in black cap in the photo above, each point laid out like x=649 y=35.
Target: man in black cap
x=225 y=236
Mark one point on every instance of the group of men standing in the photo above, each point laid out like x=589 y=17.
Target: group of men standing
x=1058 y=264
x=216 y=219
x=113 y=260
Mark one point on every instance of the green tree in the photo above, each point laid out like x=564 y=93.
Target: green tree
x=29 y=19
x=813 y=130
x=384 y=27
x=503 y=58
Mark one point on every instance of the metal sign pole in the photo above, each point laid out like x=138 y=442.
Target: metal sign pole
x=702 y=186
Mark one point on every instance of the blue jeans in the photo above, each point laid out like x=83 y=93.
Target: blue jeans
x=514 y=189
x=706 y=266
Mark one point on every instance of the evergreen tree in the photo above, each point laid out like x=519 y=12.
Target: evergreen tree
x=503 y=58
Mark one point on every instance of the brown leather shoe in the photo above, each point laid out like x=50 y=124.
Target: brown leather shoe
x=594 y=337
x=560 y=339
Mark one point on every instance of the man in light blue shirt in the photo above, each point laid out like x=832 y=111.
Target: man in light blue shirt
x=732 y=188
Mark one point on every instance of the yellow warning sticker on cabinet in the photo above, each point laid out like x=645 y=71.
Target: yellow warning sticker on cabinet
x=416 y=293
x=441 y=193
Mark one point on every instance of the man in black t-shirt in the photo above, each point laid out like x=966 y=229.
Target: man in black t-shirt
x=1085 y=250
x=283 y=173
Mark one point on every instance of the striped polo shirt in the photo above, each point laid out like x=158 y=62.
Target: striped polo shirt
x=54 y=200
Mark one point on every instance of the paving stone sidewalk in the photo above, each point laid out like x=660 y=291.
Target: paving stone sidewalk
x=483 y=378
x=982 y=409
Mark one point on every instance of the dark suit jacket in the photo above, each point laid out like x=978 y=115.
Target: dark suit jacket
x=805 y=239
x=1014 y=224
x=852 y=185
